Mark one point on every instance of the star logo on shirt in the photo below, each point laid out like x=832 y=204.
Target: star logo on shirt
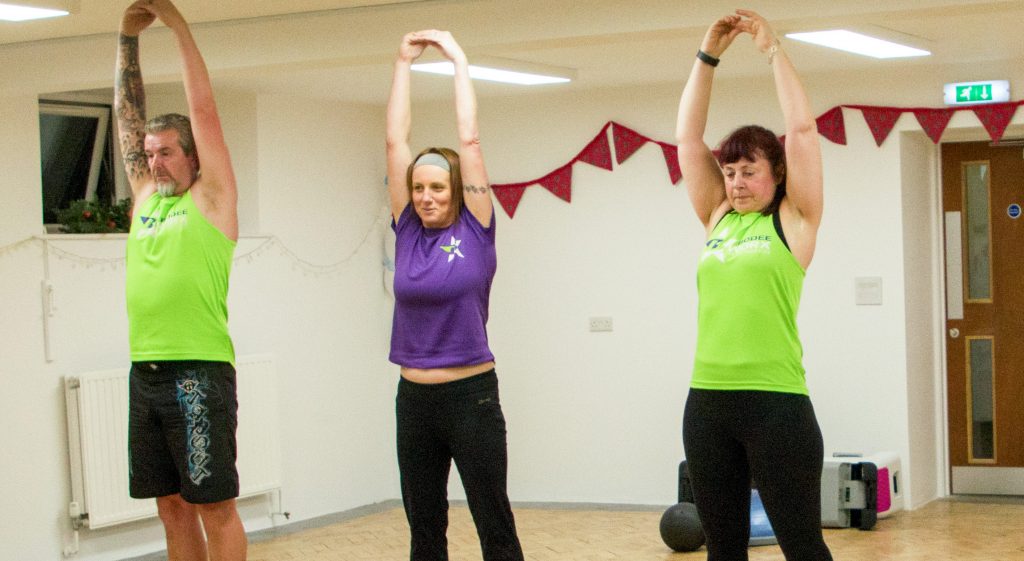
x=452 y=249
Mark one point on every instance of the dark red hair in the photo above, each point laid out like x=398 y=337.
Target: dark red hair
x=752 y=141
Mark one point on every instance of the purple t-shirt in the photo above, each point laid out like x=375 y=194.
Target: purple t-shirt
x=442 y=289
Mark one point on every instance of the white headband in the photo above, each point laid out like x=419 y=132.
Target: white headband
x=433 y=159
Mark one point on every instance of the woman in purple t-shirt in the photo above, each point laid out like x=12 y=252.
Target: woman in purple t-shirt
x=447 y=406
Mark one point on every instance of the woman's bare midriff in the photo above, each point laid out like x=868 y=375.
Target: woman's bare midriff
x=443 y=375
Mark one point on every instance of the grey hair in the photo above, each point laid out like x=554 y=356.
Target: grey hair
x=177 y=122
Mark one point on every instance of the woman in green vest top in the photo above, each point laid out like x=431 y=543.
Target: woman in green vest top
x=748 y=418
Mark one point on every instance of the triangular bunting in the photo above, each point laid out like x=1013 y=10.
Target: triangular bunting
x=671 y=154
x=934 y=121
x=832 y=126
x=627 y=142
x=559 y=182
x=995 y=117
x=881 y=120
x=509 y=196
x=598 y=153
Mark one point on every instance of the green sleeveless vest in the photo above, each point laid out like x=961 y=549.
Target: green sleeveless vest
x=749 y=286
x=178 y=266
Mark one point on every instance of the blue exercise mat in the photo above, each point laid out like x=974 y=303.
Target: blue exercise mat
x=761 y=532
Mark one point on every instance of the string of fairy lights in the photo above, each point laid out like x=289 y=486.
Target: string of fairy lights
x=269 y=245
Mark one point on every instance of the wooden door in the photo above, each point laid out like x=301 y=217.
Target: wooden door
x=982 y=192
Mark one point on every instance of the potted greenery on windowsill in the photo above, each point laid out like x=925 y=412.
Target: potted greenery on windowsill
x=90 y=217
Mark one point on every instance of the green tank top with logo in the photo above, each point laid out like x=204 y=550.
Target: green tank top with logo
x=749 y=285
x=176 y=288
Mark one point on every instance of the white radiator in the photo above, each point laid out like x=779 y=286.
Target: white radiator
x=97 y=410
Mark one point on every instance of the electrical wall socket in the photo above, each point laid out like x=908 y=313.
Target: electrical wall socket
x=868 y=291
x=601 y=323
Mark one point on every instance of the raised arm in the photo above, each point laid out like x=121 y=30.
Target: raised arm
x=130 y=101
x=216 y=191
x=701 y=172
x=803 y=148
x=475 y=184
x=399 y=122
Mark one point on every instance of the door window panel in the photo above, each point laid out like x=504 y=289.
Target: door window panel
x=979 y=256
x=981 y=400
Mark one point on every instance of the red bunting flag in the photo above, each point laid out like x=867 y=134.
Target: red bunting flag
x=832 y=126
x=509 y=196
x=559 y=182
x=995 y=117
x=933 y=121
x=880 y=120
x=627 y=142
x=598 y=153
x=671 y=154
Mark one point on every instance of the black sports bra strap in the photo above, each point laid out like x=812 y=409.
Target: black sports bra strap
x=777 y=222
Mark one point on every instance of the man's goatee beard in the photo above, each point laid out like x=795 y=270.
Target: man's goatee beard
x=166 y=189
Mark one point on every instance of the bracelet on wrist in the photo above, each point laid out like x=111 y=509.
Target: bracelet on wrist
x=707 y=59
x=772 y=50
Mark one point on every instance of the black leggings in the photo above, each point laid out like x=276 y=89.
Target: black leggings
x=734 y=438
x=460 y=421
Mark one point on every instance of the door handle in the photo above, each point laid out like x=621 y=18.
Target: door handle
x=954 y=332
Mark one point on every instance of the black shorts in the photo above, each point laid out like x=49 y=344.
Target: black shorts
x=181 y=430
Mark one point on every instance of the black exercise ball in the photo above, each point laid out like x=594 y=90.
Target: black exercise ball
x=680 y=527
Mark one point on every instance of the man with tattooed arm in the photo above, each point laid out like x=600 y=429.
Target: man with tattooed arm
x=184 y=230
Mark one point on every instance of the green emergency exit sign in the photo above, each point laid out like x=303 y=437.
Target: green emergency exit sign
x=969 y=93
x=980 y=93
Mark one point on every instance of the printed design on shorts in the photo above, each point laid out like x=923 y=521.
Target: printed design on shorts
x=452 y=249
x=192 y=390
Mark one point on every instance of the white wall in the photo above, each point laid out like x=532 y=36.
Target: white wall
x=593 y=417
x=919 y=162
x=32 y=416
x=321 y=195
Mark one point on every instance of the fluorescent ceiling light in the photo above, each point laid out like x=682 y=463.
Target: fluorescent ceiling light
x=491 y=74
x=856 y=43
x=11 y=12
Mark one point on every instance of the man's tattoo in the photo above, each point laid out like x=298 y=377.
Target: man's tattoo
x=130 y=106
x=129 y=75
x=476 y=188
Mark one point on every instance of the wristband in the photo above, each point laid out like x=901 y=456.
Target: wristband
x=771 y=52
x=707 y=59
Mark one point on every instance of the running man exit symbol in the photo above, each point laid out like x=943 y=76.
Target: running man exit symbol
x=968 y=93
x=976 y=92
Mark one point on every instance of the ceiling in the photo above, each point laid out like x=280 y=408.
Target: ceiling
x=343 y=48
x=91 y=17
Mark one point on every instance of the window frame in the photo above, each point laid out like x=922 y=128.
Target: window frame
x=103 y=113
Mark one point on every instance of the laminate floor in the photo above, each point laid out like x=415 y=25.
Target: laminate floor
x=941 y=530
